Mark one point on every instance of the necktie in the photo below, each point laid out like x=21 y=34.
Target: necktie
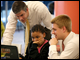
x=27 y=34
x=62 y=46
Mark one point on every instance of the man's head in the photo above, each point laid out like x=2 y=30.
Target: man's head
x=18 y=6
x=21 y=10
x=60 y=25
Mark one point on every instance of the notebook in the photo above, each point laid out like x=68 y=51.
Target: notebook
x=9 y=52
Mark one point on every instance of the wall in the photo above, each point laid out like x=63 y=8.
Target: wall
x=71 y=8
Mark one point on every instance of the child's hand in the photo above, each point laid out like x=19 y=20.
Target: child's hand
x=20 y=58
x=37 y=42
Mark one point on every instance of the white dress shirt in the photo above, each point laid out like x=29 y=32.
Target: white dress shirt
x=38 y=14
x=71 y=50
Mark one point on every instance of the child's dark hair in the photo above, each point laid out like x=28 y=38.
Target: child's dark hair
x=38 y=28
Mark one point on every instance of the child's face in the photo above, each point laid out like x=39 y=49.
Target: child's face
x=38 y=37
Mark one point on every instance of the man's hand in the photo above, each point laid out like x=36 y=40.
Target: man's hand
x=53 y=41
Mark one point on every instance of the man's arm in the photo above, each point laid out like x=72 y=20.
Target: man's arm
x=71 y=50
x=10 y=28
x=45 y=16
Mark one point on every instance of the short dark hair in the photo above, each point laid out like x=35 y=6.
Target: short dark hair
x=18 y=6
x=51 y=7
x=38 y=28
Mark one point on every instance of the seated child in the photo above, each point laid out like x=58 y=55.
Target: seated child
x=38 y=48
